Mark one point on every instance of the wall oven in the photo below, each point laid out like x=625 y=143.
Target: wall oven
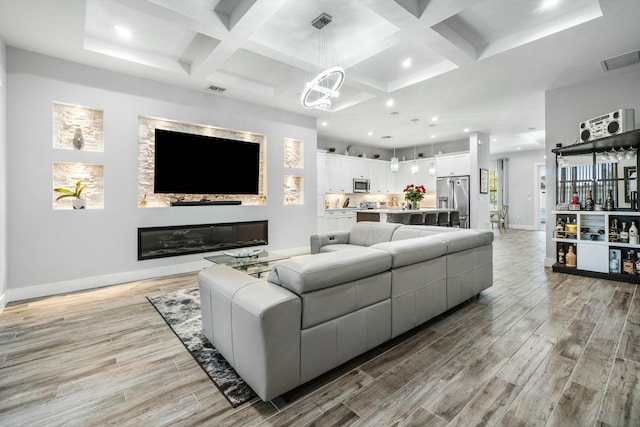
x=361 y=185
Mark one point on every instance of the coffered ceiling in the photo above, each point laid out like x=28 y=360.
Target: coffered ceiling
x=481 y=65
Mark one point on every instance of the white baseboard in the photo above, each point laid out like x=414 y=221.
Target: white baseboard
x=3 y=302
x=524 y=227
x=85 y=283
x=38 y=291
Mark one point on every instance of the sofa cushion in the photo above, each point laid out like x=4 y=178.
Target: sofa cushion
x=465 y=239
x=338 y=247
x=330 y=303
x=312 y=272
x=412 y=231
x=411 y=251
x=367 y=233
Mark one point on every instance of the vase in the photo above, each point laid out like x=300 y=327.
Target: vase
x=79 y=203
x=415 y=205
x=78 y=140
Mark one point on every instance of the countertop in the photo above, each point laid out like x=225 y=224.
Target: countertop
x=388 y=210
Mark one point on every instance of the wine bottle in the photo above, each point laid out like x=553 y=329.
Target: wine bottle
x=571 y=257
x=633 y=233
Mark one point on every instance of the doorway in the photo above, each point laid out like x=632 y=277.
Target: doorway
x=540 y=196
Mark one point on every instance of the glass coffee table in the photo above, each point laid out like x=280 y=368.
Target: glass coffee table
x=251 y=263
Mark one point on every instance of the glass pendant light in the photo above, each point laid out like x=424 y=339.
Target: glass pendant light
x=414 y=166
x=395 y=166
x=432 y=166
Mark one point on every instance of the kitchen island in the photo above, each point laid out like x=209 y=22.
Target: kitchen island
x=395 y=215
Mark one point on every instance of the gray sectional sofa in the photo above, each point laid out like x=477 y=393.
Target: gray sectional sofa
x=356 y=290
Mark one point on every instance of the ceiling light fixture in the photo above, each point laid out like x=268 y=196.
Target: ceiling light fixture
x=123 y=32
x=370 y=133
x=465 y=130
x=390 y=103
x=395 y=166
x=319 y=91
x=434 y=118
x=407 y=63
x=548 y=4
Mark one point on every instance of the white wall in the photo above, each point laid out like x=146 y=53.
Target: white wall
x=57 y=251
x=3 y=176
x=566 y=107
x=522 y=188
x=479 y=145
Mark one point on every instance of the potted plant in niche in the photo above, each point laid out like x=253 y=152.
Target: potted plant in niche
x=376 y=156
x=420 y=155
x=332 y=149
x=413 y=194
x=78 y=202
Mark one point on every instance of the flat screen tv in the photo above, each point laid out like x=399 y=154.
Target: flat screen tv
x=195 y=164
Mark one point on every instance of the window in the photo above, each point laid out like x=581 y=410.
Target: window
x=493 y=190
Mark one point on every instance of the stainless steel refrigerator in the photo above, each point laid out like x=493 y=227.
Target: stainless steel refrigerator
x=453 y=193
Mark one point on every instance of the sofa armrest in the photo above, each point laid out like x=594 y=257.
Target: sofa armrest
x=317 y=241
x=266 y=322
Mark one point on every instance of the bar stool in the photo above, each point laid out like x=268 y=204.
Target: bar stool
x=431 y=218
x=443 y=219
x=454 y=219
x=416 y=219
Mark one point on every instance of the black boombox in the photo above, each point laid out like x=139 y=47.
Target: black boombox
x=609 y=124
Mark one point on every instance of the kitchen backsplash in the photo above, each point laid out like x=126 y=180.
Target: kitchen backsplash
x=353 y=200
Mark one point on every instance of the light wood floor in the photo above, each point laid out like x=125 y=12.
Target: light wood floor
x=538 y=348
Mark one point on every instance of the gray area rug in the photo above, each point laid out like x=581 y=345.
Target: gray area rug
x=181 y=310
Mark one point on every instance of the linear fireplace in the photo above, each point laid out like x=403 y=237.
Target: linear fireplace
x=159 y=242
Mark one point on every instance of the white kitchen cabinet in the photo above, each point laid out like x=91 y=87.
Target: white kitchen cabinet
x=453 y=164
x=322 y=172
x=336 y=220
x=339 y=174
x=379 y=174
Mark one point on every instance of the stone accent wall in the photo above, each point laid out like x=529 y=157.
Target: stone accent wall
x=67 y=119
x=67 y=174
x=293 y=190
x=146 y=155
x=293 y=153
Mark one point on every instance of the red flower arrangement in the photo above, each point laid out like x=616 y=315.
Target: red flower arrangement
x=414 y=193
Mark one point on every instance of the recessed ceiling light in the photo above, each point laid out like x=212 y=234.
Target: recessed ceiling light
x=548 y=4
x=323 y=123
x=433 y=135
x=123 y=32
x=434 y=118
x=370 y=133
x=518 y=148
x=407 y=63
x=390 y=103
x=466 y=129
x=493 y=140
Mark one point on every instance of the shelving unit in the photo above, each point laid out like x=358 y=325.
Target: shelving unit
x=593 y=241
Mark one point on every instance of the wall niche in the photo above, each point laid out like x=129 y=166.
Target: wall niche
x=76 y=127
x=66 y=175
x=146 y=162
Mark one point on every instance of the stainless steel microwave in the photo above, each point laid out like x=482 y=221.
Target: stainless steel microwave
x=361 y=185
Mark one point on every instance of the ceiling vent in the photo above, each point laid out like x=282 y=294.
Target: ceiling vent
x=621 y=60
x=386 y=137
x=213 y=88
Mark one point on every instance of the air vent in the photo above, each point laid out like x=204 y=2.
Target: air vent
x=621 y=61
x=386 y=137
x=213 y=88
